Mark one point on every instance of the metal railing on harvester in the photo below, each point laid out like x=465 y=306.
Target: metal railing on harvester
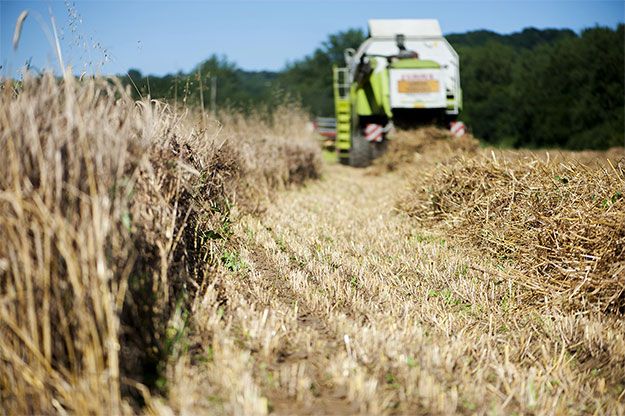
x=342 y=107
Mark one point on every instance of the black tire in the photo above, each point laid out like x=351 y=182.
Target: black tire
x=361 y=153
x=448 y=119
x=379 y=148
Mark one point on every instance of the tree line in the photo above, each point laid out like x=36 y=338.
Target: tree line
x=544 y=88
x=534 y=88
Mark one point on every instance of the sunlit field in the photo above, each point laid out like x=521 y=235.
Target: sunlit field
x=195 y=243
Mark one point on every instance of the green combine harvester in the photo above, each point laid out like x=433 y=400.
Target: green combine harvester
x=403 y=75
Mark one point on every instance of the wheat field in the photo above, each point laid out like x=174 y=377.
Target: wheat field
x=156 y=261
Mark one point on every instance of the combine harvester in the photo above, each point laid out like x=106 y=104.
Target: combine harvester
x=405 y=74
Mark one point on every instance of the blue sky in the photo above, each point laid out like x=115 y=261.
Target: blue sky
x=160 y=37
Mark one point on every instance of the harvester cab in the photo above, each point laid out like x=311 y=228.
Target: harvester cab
x=403 y=75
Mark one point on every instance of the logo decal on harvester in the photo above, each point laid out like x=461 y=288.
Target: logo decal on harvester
x=374 y=133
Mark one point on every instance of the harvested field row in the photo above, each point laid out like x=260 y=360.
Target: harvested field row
x=331 y=303
x=560 y=223
x=421 y=148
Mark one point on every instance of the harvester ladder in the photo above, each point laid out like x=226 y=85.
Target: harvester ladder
x=343 y=110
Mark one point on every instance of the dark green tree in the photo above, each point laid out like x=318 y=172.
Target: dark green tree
x=544 y=88
x=311 y=78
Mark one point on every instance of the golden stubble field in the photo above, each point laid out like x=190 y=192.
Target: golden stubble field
x=156 y=263
x=344 y=305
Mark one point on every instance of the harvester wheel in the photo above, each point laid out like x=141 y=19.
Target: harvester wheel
x=379 y=148
x=344 y=160
x=360 y=154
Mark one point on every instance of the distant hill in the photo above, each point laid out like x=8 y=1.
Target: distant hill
x=527 y=39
